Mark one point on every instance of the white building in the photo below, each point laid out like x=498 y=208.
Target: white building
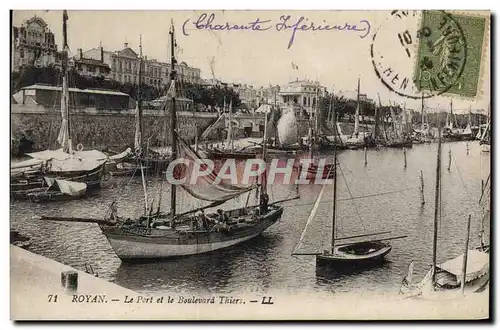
x=302 y=94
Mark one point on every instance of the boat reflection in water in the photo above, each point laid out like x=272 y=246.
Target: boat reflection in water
x=327 y=273
x=213 y=271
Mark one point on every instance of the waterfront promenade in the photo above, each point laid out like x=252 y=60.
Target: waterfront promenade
x=34 y=277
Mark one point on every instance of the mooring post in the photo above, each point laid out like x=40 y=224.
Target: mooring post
x=404 y=154
x=449 y=159
x=466 y=252
x=366 y=159
x=422 y=187
x=69 y=279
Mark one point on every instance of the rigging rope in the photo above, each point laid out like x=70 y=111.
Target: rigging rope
x=462 y=180
x=357 y=197
x=373 y=195
x=353 y=203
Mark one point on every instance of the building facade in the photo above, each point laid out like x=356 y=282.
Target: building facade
x=124 y=67
x=268 y=95
x=302 y=93
x=247 y=95
x=90 y=67
x=33 y=44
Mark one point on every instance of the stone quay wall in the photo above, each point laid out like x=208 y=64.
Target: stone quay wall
x=101 y=129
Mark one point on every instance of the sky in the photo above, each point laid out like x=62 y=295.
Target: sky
x=337 y=58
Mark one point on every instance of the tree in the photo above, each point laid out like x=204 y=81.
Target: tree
x=208 y=96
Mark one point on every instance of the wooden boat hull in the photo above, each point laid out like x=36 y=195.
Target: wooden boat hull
x=40 y=193
x=342 y=258
x=312 y=172
x=218 y=154
x=402 y=144
x=459 y=137
x=152 y=243
x=20 y=185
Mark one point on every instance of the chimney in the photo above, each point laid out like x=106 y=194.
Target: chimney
x=102 y=54
x=80 y=51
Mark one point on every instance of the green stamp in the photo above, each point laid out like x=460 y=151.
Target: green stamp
x=449 y=53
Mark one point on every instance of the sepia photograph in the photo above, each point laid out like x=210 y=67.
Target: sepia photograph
x=250 y=165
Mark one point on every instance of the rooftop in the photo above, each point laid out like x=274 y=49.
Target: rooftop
x=74 y=90
x=91 y=61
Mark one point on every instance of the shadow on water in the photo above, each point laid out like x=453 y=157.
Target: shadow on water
x=329 y=274
x=209 y=272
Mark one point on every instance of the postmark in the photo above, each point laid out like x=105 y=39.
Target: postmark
x=425 y=54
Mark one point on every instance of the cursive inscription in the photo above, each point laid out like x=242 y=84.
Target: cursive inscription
x=286 y=23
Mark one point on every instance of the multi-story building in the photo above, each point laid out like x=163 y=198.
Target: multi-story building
x=33 y=44
x=124 y=67
x=267 y=95
x=302 y=93
x=91 y=67
x=247 y=95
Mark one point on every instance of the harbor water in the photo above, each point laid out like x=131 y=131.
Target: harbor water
x=389 y=200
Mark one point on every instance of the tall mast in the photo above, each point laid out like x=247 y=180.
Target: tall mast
x=356 y=117
x=451 y=114
x=422 y=110
x=274 y=120
x=436 y=202
x=316 y=119
x=139 y=140
x=334 y=188
x=64 y=137
x=230 y=122
x=263 y=179
x=173 y=196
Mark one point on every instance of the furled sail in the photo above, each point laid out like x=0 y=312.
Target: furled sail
x=287 y=128
x=63 y=138
x=69 y=188
x=356 y=121
x=137 y=139
x=408 y=289
x=478 y=264
x=206 y=187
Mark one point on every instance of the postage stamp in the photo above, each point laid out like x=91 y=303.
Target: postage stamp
x=249 y=165
x=453 y=56
x=444 y=49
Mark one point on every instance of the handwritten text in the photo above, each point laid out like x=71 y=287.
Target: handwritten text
x=286 y=23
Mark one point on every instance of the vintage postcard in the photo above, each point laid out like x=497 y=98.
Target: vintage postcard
x=250 y=165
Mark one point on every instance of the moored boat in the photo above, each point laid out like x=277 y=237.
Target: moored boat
x=351 y=254
x=158 y=235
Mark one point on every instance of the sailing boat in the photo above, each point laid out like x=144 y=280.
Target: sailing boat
x=452 y=132
x=159 y=235
x=356 y=140
x=424 y=134
x=314 y=144
x=485 y=140
x=450 y=275
x=399 y=137
x=76 y=165
x=285 y=132
x=143 y=157
x=229 y=152
x=352 y=254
